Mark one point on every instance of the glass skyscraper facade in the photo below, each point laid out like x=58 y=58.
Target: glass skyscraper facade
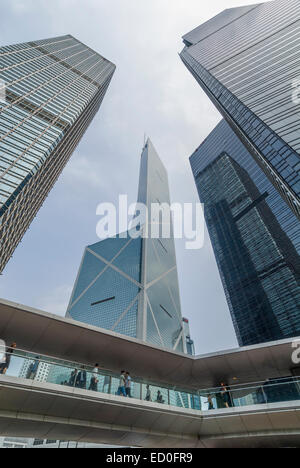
x=255 y=237
x=107 y=289
x=41 y=374
x=130 y=285
x=53 y=89
x=247 y=60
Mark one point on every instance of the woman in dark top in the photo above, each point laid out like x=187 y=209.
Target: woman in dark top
x=81 y=378
x=5 y=365
x=225 y=395
x=73 y=378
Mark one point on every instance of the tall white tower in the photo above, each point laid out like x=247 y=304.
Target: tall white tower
x=159 y=312
x=130 y=285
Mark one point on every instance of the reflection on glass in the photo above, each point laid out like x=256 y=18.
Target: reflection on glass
x=78 y=377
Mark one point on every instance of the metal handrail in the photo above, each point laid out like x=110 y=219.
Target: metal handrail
x=253 y=385
x=34 y=355
x=195 y=397
x=24 y=354
x=75 y=365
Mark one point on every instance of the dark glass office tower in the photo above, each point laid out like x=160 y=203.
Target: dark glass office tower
x=130 y=285
x=247 y=60
x=53 y=89
x=255 y=237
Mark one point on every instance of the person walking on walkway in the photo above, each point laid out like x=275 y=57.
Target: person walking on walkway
x=5 y=365
x=159 y=398
x=95 y=379
x=225 y=395
x=148 y=393
x=128 y=385
x=73 y=378
x=122 y=384
x=210 y=402
x=81 y=378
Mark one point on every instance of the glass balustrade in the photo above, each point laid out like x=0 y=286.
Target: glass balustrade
x=45 y=369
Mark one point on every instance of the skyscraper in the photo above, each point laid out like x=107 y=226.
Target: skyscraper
x=255 y=237
x=130 y=285
x=53 y=89
x=247 y=60
x=41 y=374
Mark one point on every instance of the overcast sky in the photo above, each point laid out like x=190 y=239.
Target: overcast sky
x=152 y=92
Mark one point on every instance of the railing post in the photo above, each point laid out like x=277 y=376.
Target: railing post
x=169 y=398
x=110 y=385
x=231 y=399
x=141 y=392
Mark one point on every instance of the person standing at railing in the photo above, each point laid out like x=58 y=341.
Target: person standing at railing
x=210 y=402
x=225 y=395
x=81 y=378
x=128 y=385
x=94 y=379
x=148 y=393
x=5 y=365
x=73 y=378
x=159 y=398
x=122 y=384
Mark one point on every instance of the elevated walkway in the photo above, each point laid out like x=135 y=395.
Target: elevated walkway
x=44 y=333
x=48 y=411
x=263 y=384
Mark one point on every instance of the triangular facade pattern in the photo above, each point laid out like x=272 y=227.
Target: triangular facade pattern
x=130 y=286
x=102 y=294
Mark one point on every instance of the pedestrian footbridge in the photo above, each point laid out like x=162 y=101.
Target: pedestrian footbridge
x=263 y=385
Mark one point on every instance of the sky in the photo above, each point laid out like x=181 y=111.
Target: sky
x=151 y=93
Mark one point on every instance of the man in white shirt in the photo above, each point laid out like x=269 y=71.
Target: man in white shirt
x=122 y=384
x=95 y=379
